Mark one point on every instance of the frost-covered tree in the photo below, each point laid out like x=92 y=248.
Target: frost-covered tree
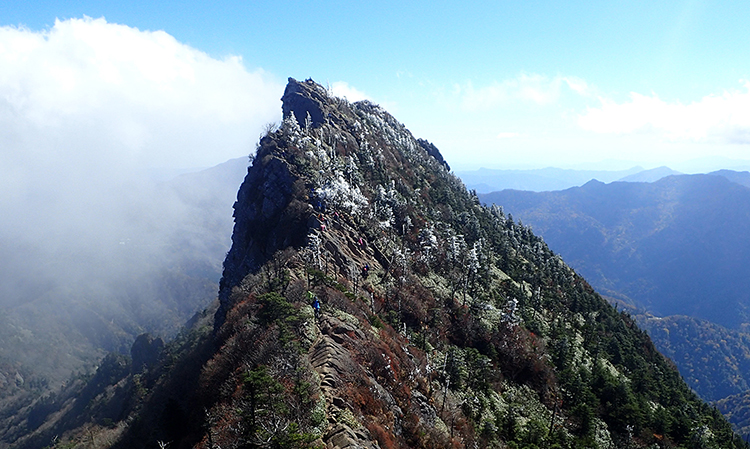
x=290 y=127
x=339 y=193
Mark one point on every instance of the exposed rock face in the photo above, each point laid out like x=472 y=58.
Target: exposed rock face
x=305 y=98
x=335 y=366
x=434 y=152
x=269 y=215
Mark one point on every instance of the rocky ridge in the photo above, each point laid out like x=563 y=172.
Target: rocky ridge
x=464 y=330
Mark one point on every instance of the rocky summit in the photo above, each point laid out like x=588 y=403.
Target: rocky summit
x=370 y=301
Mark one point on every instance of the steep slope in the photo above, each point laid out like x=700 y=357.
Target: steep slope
x=444 y=323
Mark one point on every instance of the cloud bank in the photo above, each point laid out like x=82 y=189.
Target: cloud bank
x=91 y=92
x=529 y=88
x=720 y=119
x=87 y=108
x=86 y=104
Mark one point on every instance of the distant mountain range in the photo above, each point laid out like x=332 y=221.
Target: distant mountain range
x=675 y=246
x=487 y=180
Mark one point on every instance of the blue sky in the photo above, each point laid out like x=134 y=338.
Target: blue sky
x=494 y=84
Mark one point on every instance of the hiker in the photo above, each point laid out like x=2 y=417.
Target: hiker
x=366 y=271
x=316 y=307
x=321 y=222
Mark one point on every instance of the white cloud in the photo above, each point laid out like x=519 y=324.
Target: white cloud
x=343 y=90
x=99 y=94
x=508 y=135
x=721 y=118
x=86 y=106
x=531 y=88
x=578 y=85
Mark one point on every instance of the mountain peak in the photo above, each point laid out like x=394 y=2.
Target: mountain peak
x=326 y=150
x=369 y=300
x=305 y=99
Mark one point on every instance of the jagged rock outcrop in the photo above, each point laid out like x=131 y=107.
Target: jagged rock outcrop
x=434 y=152
x=274 y=206
x=334 y=365
x=145 y=352
x=304 y=100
